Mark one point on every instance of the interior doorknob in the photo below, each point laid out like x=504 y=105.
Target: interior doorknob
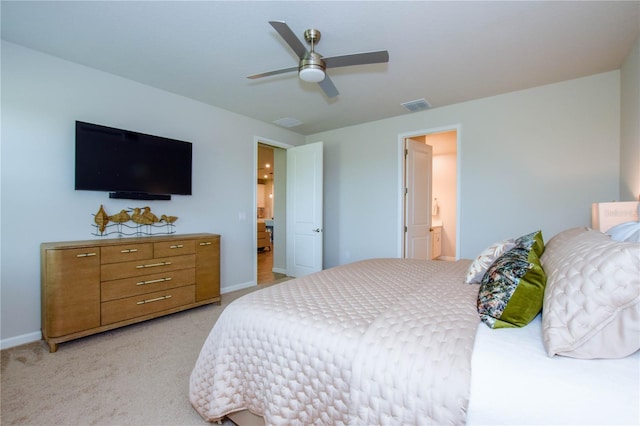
x=317 y=230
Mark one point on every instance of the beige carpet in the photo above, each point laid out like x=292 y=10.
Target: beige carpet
x=136 y=375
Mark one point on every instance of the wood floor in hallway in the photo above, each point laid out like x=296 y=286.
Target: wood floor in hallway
x=265 y=268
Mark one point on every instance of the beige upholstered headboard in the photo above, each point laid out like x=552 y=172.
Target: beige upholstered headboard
x=604 y=216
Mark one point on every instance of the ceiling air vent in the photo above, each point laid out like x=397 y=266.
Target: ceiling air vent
x=417 y=105
x=288 y=122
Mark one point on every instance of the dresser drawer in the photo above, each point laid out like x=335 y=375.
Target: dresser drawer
x=136 y=268
x=174 y=248
x=132 y=286
x=126 y=252
x=137 y=306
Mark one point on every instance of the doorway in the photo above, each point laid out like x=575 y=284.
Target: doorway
x=270 y=211
x=297 y=225
x=442 y=206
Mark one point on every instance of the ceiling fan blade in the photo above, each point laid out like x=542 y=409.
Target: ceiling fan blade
x=327 y=86
x=357 y=59
x=270 y=73
x=294 y=42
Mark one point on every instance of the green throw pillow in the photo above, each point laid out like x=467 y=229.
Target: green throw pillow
x=512 y=290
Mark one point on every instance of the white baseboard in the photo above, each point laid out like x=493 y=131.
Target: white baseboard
x=20 y=340
x=240 y=286
x=279 y=271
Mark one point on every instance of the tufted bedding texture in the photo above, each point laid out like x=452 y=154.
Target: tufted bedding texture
x=379 y=341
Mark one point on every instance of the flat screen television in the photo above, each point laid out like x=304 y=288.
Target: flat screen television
x=130 y=164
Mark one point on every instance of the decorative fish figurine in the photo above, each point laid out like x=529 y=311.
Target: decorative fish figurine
x=101 y=219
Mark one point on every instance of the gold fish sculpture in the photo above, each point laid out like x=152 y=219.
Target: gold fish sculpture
x=101 y=219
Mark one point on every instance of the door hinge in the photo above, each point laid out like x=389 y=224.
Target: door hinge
x=406 y=153
x=405 y=229
x=406 y=191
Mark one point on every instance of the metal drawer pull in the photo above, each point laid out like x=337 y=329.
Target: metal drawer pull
x=128 y=251
x=151 y=265
x=207 y=243
x=177 y=246
x=86 y=254
x=157 y=299
x=159 y=280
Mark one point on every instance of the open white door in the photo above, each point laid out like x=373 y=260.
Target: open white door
x=418 y=164
x=304 y=209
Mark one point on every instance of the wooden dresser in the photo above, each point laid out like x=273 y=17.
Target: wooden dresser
x=98 y=285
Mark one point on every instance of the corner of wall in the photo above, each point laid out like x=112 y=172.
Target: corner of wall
x=630 y=126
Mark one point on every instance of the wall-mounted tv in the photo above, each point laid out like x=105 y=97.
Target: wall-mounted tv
x=130 y=164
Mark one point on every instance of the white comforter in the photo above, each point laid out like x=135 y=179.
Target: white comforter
x=382 y=341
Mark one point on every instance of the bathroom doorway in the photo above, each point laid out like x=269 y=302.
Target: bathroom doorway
x=442 y=206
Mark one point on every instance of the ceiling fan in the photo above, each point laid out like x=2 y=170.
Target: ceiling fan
x=312 y=66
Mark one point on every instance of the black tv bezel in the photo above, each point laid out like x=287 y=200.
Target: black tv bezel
x=132 y=193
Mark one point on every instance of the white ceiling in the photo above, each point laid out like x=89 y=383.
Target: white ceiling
x=446 y=52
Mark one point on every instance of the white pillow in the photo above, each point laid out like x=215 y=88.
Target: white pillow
x=591 y=305
x=627 y=231
x=486 y=258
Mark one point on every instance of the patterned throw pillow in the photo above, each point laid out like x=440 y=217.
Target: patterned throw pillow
x=512 y=290
x=532 y=241
x=481 y=263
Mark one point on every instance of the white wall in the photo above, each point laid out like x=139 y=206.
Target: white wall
x=445 y=187
x=533 y=159
x=630 y=126
x=42 y=97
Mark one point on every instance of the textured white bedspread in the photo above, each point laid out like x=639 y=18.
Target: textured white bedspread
x=381 y=341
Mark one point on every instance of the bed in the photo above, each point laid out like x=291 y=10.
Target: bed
x=399 y=341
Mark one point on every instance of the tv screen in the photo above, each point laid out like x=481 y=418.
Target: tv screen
x=131 y=164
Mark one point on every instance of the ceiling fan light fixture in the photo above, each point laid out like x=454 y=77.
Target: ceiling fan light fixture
x=312 y=67
x=311 y=74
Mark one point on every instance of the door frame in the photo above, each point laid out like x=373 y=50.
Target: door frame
x=276 y=144
x=401 y=175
